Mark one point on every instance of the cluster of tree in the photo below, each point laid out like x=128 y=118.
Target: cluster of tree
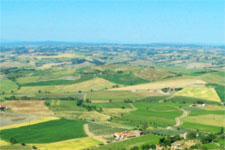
x=167 y=141
x=115 y=86
x=144 y=147
x=168 y=89
x=88 y=107
x=77 y=60
x=128 y=101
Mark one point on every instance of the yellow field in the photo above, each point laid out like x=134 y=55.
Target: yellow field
x=210 y=107
x=27 y=79
x=86 y=86
x=49 y=65
x=75 y=144
x=179 y=82
x=115 y=111
x=70 y=55
x=49 y=118
x=3 y=143
x=94 y=115
x=214 y=120
x=200 y=92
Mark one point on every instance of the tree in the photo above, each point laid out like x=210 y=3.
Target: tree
x=79 y=102
x=13 y=141
x=221 y=130
x=100 y=109
x=191 y=135
x=34 y=147
x=110 y=100
x=39 y=91
x=23 y=144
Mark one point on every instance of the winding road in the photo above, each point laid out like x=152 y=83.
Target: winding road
x=178 y=119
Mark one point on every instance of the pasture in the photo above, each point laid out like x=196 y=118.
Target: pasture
x=46 y=132
x=200 y=92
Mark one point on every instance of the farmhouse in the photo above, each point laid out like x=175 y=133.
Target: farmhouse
x=2 y=108
x=184 y=135
x=125 y=135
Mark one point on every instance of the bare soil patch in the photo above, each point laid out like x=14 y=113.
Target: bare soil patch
x=28 y=107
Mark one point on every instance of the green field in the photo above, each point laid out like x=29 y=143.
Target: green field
x=63 y=106
x=127 y=144
x=115 y=96
x=154 y=114
x=204 y=120
x=189 y=100
x=125 y=79
x=7 y=85
x=58 y=82
x=110 y=105
x=46 y=132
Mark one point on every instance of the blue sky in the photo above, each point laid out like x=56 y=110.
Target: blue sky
x=122 y=21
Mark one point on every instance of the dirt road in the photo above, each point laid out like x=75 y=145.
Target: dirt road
x=90 y=134
x=178 y=119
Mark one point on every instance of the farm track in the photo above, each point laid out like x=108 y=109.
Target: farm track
x=90 y=134
x=133 y=107
x=178 y=119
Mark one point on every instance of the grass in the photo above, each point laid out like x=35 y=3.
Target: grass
x=115 y=96
x=46 y=132
x=78 y=144
x=7 y=85
x=127 y=144
x=154 y=114
x=200 y=92
x=220 y=89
